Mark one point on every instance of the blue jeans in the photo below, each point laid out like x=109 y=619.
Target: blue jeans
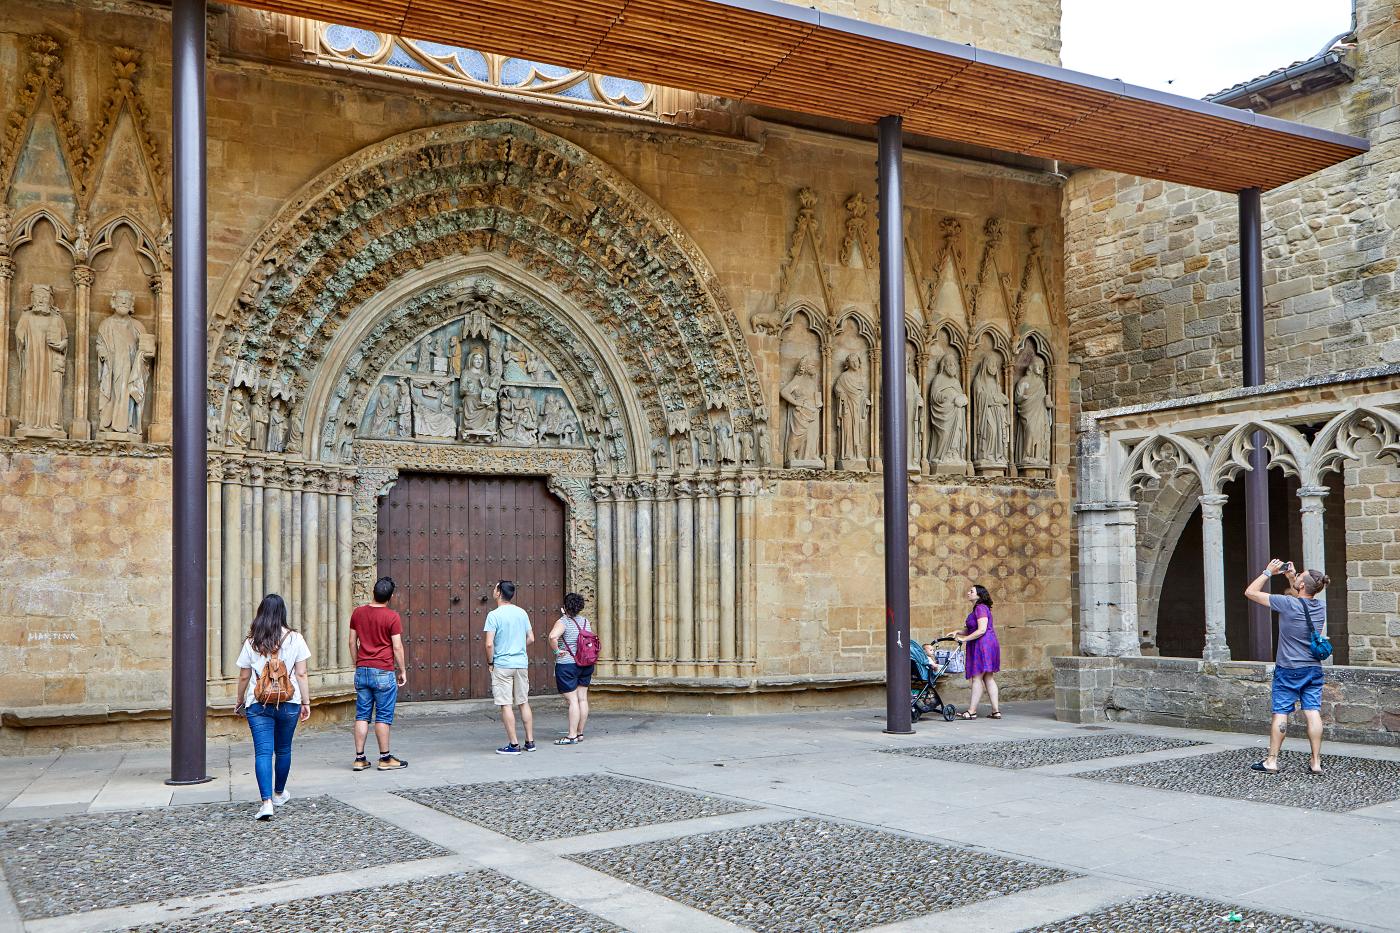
x=272 y=728
x=376 y=694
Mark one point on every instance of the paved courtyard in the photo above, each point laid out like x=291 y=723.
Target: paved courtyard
x=686 y=823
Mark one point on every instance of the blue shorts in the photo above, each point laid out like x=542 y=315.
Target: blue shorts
x=569 y=677
x=1297 y=685
x=376 y=692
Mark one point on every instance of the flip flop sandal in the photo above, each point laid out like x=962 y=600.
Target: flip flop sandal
x=1259 y=766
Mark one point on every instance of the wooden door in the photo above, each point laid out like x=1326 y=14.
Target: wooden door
x=446 y=540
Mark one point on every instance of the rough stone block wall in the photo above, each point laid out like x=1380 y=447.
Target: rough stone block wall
x=1152 y=270
x=1373 y=562
x=1027 y=28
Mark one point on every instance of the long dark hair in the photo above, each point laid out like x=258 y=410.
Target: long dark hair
x=573 y=605
x=983 y=597
x=266 y=632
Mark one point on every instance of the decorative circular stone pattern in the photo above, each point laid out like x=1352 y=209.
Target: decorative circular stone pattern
x=1181 y=914
x=477 y=901
x=811 y=876
x=1347 y=782
x=80 y=863
x=578 y=804
x=1035 y=753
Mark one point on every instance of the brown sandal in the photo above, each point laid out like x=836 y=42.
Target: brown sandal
x=995 y=714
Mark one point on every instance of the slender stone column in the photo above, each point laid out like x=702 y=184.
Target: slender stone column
x=296 y=560
x=607 y=633
x=272 y=533
x=748 y=570
x=213 y=506
x=340 y=628
x=248 y=592
x=311 y=563
x=81 y=426
x=1213 y=557
x=685 y=571
x=7 y=275
x=646 y=643
x=728 y=558
x=257 y=566
x=1314 y=533
x=624 y=563
x=160 y=415
x=232 y=570
x=665 y=518
x=706 y=617
x=326 y=570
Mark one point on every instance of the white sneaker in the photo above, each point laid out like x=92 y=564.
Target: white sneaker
x=279 y=799
x=266 y=812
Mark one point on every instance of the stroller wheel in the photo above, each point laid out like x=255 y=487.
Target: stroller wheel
x=915 y=714
x=949 y=712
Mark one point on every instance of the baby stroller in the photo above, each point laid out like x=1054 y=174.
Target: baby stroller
x=925 y=673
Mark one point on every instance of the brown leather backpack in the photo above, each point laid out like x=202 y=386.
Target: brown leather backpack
x=274 y=686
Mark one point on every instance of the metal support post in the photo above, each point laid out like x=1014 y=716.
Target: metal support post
x=893 y=438
x=1256 y=481
x=188 y=541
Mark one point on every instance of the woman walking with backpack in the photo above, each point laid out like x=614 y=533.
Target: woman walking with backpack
x=575 y=654
x=274 y=694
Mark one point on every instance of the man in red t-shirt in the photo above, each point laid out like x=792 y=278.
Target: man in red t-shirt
x=376 y=641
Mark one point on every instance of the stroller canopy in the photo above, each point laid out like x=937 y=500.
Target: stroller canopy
x=919 y=658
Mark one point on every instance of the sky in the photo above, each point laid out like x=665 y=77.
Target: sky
x=1195 y=47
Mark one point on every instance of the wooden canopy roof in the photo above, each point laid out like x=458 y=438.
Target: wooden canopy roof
x=797 y=59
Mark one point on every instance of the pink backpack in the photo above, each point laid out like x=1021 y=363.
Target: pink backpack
x=588 y=648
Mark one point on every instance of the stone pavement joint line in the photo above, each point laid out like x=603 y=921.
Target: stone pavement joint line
x=806 y=875
x=1035 y=753
x=1348 y=783
x=585 y=803
x=476 y=900
x=81 y=863
x=1181 y=914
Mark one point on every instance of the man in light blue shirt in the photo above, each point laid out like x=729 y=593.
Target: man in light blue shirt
x=508 y=635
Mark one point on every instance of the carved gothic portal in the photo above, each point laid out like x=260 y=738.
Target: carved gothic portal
x=487 y=299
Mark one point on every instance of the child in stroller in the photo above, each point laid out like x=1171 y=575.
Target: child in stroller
x=928 y=663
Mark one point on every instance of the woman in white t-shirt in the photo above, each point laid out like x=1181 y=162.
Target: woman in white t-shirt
x=273 y=725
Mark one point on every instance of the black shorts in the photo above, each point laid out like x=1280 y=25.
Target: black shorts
x=569 y=677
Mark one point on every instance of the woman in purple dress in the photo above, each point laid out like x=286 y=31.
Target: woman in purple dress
x=979 y=639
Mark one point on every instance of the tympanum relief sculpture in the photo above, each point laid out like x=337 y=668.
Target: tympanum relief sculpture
x=472 y=382
x=42 y=341
x=1035 y=413
x=124 y=354
x=990 y=414
x=852 y=394
x=802 y=425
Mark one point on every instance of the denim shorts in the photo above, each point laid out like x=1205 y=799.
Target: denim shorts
x=1297 y=685
x=377 y=692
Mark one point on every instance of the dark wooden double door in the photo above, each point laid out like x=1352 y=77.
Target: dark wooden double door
x=446 y=540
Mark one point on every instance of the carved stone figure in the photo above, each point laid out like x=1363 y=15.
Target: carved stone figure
x=260 y=419
x=480 y=392
x=517 y=361
x=124 y=350
x=852 y=395
x=554 y=422
x=684 y=458
x=496 y=354
x=42 y=342
x=914 y=416
x=1034 y=417
x=947 y=409
x=660 y=455
x=384 y=419
x=802 y=439
x=433 y=414
x=760 y=443
x=726 y=447
x=425 y=356
x=277 y=427
x=238 y=428
x=454 y=357
x=403 y=406
x=746 y=453
x=706 y=448
x=991 y=426
x=476 y=323
x=519 y=420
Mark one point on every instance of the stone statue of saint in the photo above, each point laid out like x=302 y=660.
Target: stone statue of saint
x=1034 y=417
x=480 y=392
x=746 y=455
x=554 y=422
x=519 y=419
x=277 y=427
x=802 y=441
x=42 y=342
x=403 y=407
x=238 y=428
x=260 y=418
x=425 y=356
x=433 y=414
x=914 y=415
x=947 y=411
x=123 y=351
x=990 y=424
x=852 y=414
x=454 y=357
x=496 y=355
x=726 y=446
x=384 y=419
x=684 y=458
x=518 y=362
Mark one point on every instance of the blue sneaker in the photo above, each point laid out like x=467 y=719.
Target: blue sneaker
x=508 y=750
x=529 y=746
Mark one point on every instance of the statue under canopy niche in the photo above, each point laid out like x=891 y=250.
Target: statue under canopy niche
x=1035 y=413
x=480 y=393
x=914 y=416
x=802 y=426
x=852 y=393
x=384 y=415
x=947 y=415
x=990 y=422
x=124 y=350
x=42 y=341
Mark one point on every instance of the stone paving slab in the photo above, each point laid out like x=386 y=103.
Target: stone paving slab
x=1177 y=913
x=809 y=875
x=1036 y=753
x=574 y=805
x=1348 y=783
x=476 y=900
x=62 y=866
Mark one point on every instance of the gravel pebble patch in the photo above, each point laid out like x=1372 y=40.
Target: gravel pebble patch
x=1034 y=753
x=1177 y=913
x=1346 y=784
x=577 y=805
x=476 y=901
x=806 y=875
x=94 y=861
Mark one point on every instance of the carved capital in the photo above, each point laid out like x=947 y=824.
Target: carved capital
x=1212 y=506
x=7 y=268
x=83 y=276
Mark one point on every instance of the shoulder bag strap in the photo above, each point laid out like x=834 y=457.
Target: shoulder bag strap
x=563 y=637
x=1307 y=614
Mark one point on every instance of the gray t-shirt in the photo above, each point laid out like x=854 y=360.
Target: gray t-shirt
x=1294 y=642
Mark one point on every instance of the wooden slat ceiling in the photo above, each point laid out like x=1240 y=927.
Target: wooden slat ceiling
x=797 y=59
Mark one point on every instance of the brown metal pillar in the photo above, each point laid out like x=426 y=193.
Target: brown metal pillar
x=1260 y=645
x=894 y=441
x=190 y=454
